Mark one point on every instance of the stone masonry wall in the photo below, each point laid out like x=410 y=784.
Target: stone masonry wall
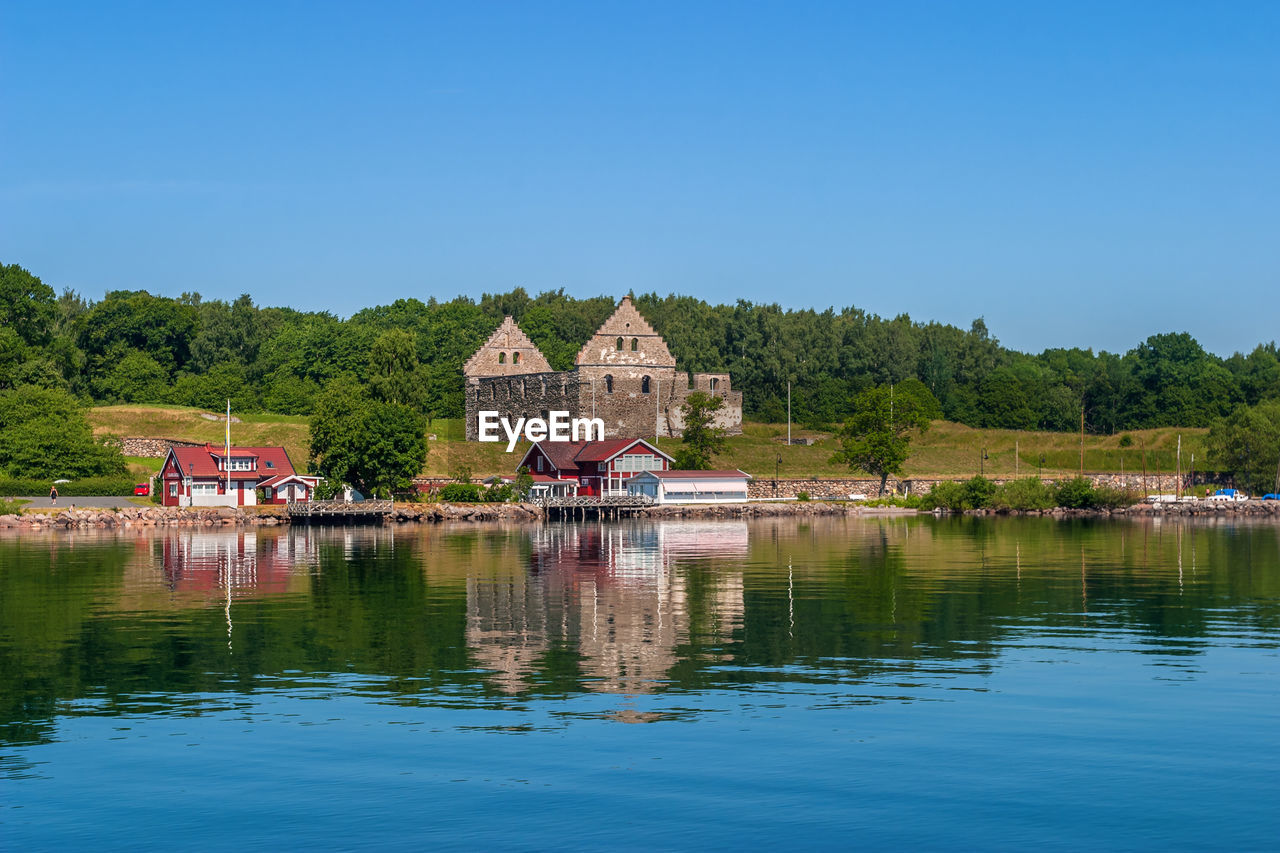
x=153 y=448
x=533 y=395
x=840 y=487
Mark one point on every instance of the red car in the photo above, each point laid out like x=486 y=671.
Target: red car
x=143 y=489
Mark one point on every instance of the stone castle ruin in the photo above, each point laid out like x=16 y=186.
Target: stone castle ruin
x=625 y=376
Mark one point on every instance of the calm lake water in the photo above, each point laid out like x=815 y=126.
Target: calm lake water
x=852 y=683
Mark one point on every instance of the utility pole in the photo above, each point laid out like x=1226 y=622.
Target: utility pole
x=1015 y=459
x=1145 y=491
x=1082 y=439
x=1177 y=483
x=788 y=413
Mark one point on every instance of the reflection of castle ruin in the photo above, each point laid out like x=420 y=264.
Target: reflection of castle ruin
x=617 y=596
x=624 y=375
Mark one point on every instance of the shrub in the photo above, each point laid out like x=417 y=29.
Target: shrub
x=802 y=496
x=1025 y=494
x=1076 y=493
x=1126 y=440
x=945 y=495
x=499 y=493
x=979 y=492
x=462 y=493
x=1107 y=497
x=82 y=488
x=328 y=490
x=10 y=507
x=904 y=501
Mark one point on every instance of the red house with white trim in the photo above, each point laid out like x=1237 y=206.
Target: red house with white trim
x=198 y=476
x=590 y=468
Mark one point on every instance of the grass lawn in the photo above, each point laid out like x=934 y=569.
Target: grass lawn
x=186 y=424
x=946 y=450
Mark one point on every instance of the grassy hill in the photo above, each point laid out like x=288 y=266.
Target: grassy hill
x=947 y=449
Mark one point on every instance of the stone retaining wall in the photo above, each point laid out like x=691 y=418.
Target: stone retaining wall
x=841 y=487
x=153 y=448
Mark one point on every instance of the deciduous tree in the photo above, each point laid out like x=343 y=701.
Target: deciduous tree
x=375 y=446
x=702 y=439
x=877 y=438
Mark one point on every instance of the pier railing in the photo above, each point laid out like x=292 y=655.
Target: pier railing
x=596 y=501
x=336 y=510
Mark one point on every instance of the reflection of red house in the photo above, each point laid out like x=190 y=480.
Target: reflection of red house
x=595 y=467
x=198 y=476
x=196 y=561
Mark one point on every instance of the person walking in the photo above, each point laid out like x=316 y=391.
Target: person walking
x=53 y=495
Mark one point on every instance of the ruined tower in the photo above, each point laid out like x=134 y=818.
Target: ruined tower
x=625 y=375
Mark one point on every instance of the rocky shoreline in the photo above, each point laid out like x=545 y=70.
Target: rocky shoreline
x=1200 y=509
x=144 y=517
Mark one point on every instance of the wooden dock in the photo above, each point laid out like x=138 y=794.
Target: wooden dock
x=338 y=512
x=599 y=506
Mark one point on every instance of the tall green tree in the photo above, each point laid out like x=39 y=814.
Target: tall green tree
x=877 y=438
x=1246 y=446
x=44 y=434
x=702 y=439
x=395 y=374
x=375 y=446
x=27 y=305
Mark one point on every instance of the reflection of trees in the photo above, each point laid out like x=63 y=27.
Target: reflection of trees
x=627 y=607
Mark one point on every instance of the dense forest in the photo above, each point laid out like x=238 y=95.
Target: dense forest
x=133 y=347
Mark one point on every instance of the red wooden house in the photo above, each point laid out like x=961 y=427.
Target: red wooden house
x=198 y=476
x=591 y=468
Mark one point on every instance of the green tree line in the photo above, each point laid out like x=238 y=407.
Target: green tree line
x=135 y=347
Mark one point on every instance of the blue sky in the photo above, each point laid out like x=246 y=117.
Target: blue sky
x=1077 y=173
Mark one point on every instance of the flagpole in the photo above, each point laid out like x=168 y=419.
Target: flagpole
x=228 y=448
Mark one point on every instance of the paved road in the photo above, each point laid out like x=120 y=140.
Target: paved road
x=66 y=501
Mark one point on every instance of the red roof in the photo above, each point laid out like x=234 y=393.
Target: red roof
x=567 y=456
x=202 y=462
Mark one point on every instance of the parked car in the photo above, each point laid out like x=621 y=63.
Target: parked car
x=143 y=489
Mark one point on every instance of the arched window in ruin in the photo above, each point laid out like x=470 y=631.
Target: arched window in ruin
x=515 y=358
x=619 y=344
x=644 y=385
x=502 y=358
x=608 y=381
x=715 y=383
x=635 y=344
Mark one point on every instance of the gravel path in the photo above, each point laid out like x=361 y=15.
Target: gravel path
x=68 y=501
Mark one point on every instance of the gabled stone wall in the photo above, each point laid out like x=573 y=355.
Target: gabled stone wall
x=625 y=376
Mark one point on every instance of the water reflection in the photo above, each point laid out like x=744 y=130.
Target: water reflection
x=860 y=609
x=614 y=594
x=905 y=682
